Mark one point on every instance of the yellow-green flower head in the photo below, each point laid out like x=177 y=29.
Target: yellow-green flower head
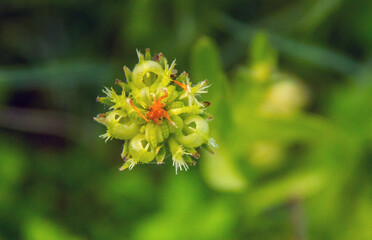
x=157 y=113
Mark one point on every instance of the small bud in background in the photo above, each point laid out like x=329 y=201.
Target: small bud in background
x=265 y=155
x=261 y=72
x=285 y=97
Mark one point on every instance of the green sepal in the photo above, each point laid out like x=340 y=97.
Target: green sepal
x=164 y=129
x=192 y=151
x=100 y=118
x=136 y=117
x=189 y=160
x=125 y=151
x=193 y=137
x=125 y=166
x=153 y=134
x=125 y=87
x=182 y=77
x=176 y=104
x=173 y=145
x=143 y=129
x=141 y=58
x=178 y=122
x=128 y=163
x=193 y=109
x=128 y=74
x=207 y=148
x=162 y=60
x=140 y=149
x=160 y=154
x=105 y=100
x=148 y=54
x=172 y=94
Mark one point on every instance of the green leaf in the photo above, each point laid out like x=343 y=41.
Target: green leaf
x=206 y=64
x=55 y=74
x=317 y=13
x=261 y=50
x=221 y=173
x=297 y=185
x=38 y=228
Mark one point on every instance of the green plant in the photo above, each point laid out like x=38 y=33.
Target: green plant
x=157 y=112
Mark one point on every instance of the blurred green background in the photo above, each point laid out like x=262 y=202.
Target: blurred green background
x=291 y=97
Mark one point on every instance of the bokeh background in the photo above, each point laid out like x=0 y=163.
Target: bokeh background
x=291 y=97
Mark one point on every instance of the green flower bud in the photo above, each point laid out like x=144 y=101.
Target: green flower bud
x=177 y=126
x=177 y=104
x=120 y=126
x=153 y=134
x=141 y=150
x=265 y=155
x=177 y=155
x=160 y=155
x=194 y=133
x=285 y=97
x=164 y=130
x=146 y=73
x=157 y=113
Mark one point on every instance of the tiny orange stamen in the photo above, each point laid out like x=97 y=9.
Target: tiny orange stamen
x=157 y=111
x=162 y=97
x=137 y=110
x=182 y=85
x=166 y=115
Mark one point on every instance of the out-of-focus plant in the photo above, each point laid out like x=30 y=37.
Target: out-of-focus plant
x=276 y=152
x=268 y=94
x=265 y=128
x=157 y=113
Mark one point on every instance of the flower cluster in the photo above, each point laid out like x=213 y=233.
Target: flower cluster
x=157 y=113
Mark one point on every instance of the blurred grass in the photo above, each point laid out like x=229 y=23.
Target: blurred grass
x=55 y=74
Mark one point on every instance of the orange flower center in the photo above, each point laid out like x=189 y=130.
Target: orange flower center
x=157 y=111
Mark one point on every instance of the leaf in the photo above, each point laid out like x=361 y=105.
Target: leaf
x=38 y=228
x=261 y=50
x=220 y=172
x=297 y=185
x=316 y=55
x=317 y=13
x=206 y=64
x=55 y=74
